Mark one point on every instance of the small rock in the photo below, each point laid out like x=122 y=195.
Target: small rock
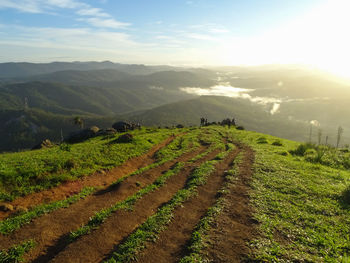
x=6 y=207
x=125 y=138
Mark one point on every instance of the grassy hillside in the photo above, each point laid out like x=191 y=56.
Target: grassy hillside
x=25 y=172
x=300 y=202
x=279 y=200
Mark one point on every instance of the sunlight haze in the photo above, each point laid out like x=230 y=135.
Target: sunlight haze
x=312 y=33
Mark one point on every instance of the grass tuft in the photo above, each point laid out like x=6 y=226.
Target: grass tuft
x=15 y=254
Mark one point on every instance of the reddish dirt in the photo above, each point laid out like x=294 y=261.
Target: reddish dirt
x=235 y=227
x=52 y=229
x=98 y=179
x=98 y=244
x=171 y=244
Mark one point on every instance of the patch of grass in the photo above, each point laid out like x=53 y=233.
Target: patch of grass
x=322 y=154
x=30 y=171
x=298 y=204
x=11 y=224
x=155 y=224
x=15 y=254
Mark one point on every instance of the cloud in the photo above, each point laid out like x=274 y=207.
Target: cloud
x=40 y=6
x=104 y=23
x=96 y=12
x=210 y=28
x=315 y=123
x=201 y=36
x=275 y=108
x=68 y=38
x=87 y=13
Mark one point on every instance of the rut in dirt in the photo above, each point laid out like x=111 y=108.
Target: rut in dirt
x=171 y=245
x=49 y=229
x=100 y=242
x=97 y=179
x=235 y=226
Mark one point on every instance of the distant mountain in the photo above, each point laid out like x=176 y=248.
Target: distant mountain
x=66 y=99
x=38 y=100
x=292 y=121
x=251 y=115
x=116 y=79
x=24 y=69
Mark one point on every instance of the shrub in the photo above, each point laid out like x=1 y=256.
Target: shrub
x=283 y=153
x=302 y=148
x=277 y=143
x=310 y=155
x=262 y=140
x=65 y=147
x=346 y=196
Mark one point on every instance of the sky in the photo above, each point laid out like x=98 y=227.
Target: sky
x=178 y=32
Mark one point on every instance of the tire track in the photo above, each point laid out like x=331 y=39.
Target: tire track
x=51 y=229
x=235 y=226
x=170 y=246
x=96 y=246
x=97 y=179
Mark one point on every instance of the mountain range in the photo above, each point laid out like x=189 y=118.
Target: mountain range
x=39 y=101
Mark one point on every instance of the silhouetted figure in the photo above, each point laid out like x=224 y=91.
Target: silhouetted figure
x=233 y=122
x=202 y=121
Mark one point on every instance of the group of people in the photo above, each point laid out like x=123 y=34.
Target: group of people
x=229 y=122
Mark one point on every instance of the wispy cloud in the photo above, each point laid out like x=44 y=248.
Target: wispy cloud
x=40 y=6
x=97 y=12
x=210 y=28
x=86 y=13
x=104 y=22
x=201 y=36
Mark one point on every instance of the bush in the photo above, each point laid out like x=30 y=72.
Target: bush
x=277 y=143
x=302 y=148
x=283 y=153
x=262 y=140
x=346 y=196
x=65 y=147
x=310 y=155
x=240 y=128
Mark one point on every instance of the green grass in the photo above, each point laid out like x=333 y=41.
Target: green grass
x=301 y=207
x=155 y=224
x=15 y=254
x=26 y=172
x=324 y=154
x=11 y=224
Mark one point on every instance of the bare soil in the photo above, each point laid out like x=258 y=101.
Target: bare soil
x=98 y=245
x=97 y=179
x=235 y=226
x=171 y=245
x=51 y=230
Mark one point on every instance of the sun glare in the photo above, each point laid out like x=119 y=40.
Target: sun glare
x=318 y=38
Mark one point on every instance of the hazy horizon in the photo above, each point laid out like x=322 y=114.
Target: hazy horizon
x=179 y=33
